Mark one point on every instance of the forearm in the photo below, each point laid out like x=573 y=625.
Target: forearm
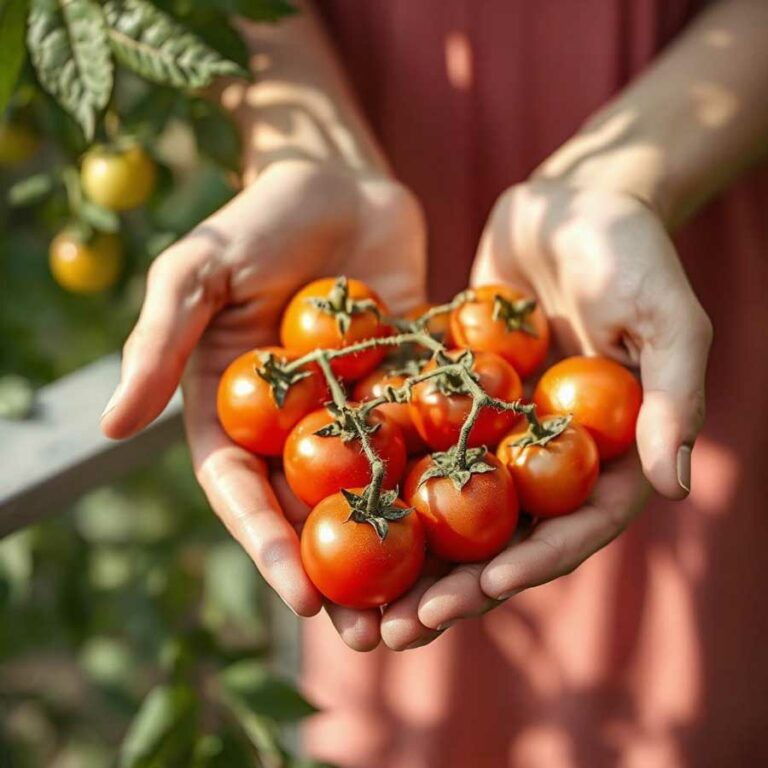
x=300 y=105
x=687 y=126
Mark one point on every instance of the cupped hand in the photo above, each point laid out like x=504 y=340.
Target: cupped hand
x=219 y=292
x=609 y=279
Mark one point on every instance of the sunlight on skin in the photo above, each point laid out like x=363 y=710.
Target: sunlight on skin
x=713 y=104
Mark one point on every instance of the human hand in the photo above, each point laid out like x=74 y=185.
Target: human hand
x=219 y=292
x=609 y=279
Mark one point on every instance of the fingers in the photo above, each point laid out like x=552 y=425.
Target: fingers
x=237 y=486
x=401 y=628
x=358 y=629
x=557 y=546
x=673 y=366
x=184 y=290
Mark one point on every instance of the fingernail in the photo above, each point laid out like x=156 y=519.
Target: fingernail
x=447 y=624
x=511 y=593
x=684 y=467
x=422 y=641
x=112 y=402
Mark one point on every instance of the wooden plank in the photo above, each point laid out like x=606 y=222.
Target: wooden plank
x=59 y=453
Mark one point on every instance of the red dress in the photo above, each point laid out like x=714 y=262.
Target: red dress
x=655 y=652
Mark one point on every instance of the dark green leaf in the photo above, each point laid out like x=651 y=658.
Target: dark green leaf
x=31 y=190
x=13 y=16
x=216 y=135
x=264 y=693
x=257 y=10
x=160 y=49
x=99 y=217
x=164 y=730
x=69 y=48
x=215 y=28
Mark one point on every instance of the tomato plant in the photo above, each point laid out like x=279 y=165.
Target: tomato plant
x=323 y=453
x=259 y=403
x=553 y=474
x=504 y=320
x=439 y=407
x=18 y=143
x=358 y=561
x=603 y=396
x=118 y=178
x=469 y=512
x=85 y=265
x=332 y=314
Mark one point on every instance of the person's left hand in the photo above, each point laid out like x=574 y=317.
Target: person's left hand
x=611 y=283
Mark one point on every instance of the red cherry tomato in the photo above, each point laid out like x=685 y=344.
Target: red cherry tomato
x=374 y=385
x=247 y=406
x=467 y=525
x=498 y=320
x=602 y=395
x=348 y=562
x=438 y=417
x=307 y=326
x=555 y=478
x=316 y=466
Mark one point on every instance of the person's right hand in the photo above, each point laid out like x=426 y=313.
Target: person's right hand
x=219 y=292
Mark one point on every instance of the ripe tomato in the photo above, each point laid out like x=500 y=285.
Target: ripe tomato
x=316 y=466
x=333 y=314
x=85 y=266
x=438 y=326
x=438 y=416
x=467 y=525
x=17 y=143
x=348 y=562
x=119 y=179
x=374 y=385
x=248 y=404
x=555 y=478
x=602 y=395
x=503 y=320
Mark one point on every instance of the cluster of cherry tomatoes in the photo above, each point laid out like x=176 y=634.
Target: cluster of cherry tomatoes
x=436 y=450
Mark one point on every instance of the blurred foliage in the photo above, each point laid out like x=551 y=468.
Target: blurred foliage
x=133 y=631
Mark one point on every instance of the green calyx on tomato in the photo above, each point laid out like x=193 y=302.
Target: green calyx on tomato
x=341 y=306
x=348 y=423
x=453 y=383
x=384 y=511
x=541 y=432
x=515 y=313
x=459 y=469
x=276 y=373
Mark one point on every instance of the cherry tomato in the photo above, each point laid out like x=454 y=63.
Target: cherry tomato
x=86 y=266
x=467 y=525
x=555 y=478
x=374 y=385
x=247 y=402
x=348 y=562
x=17 y=144
x=438 y=417
x=503 y=320
x=119 y=179
x=438 y=326
x=351 y=303
x=602 y=395
x=316 y=466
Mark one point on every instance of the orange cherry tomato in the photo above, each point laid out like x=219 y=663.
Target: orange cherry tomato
x=348 y=562
x=603 y=396
x=316 y=466
x=555 y=478
x=438 y=326
x=506 y=321
x=333 y=314
x=467 y=525
x=86 y=266
x=248 y=405
x=438 y=417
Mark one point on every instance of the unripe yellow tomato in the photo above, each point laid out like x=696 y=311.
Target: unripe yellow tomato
x=118 y=179
x=86 y=266
x=17 y=143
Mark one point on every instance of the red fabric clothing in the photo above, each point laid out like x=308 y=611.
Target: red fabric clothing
x=653 y=652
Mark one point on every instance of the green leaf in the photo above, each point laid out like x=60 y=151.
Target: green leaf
x=31 y=190
x=160 y=49
x=16 y=397
x=215 y=29
x=164 y=730
x=99 y=217
x=13 y=16
x=264 y=693
x=69 y=48
x=216 y=135
x=257 y=10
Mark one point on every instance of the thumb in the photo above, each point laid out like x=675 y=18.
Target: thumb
x=673 y=367
x=184 y=290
